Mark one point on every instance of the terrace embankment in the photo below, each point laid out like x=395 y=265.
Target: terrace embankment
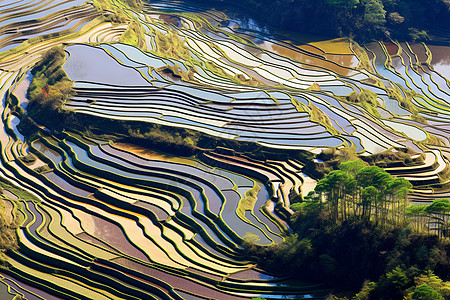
x=51 y=87
x=186 y=83
x=330 y=159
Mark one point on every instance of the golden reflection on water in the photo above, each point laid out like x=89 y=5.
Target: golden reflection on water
x=334 y=55
x=334 y=46
x=349 y=61
x=150 y=154
x=334 y=62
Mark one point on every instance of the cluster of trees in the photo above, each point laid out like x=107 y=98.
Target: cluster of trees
x=358 y=222
x=358 y=191
x=432 y=218
x=426 y=286
x=166 y=139
x=50 y=85
x=396 y=157
x=49 y=88
x=362 y=19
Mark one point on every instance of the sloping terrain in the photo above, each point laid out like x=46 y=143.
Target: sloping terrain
x=100 y=218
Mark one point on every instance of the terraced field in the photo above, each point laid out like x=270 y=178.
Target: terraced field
x=98 y=219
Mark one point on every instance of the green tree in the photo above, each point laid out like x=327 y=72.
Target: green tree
x=429 y=278
x=352 y=166
x=373 y=176
x=426 y=292
x=366 y=289
x=398 y=278
x=418 y=214
x=337 y=186
x=397 y=190
x=439 y=210
x=380 y=180
x=368 y=196
x=374 y=14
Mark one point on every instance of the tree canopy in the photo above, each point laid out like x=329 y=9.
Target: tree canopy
x=362 y=19
x=362 y=192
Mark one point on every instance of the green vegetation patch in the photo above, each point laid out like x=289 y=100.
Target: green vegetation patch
x=316 y=115
x=8 y=237
x=166 y=139
x=50 y=86
x=364 y=20
x=366 y=99
x=248 y=202
x=361 y=54
x=28 y=159
x=171 y=46
x=405 y=102
x=12 y=102
x=332 y=159
x=134 y=36
x=400 y=157
x=22 y=194
x=117 y=6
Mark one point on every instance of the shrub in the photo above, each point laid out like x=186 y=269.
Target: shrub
x=426 y=292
